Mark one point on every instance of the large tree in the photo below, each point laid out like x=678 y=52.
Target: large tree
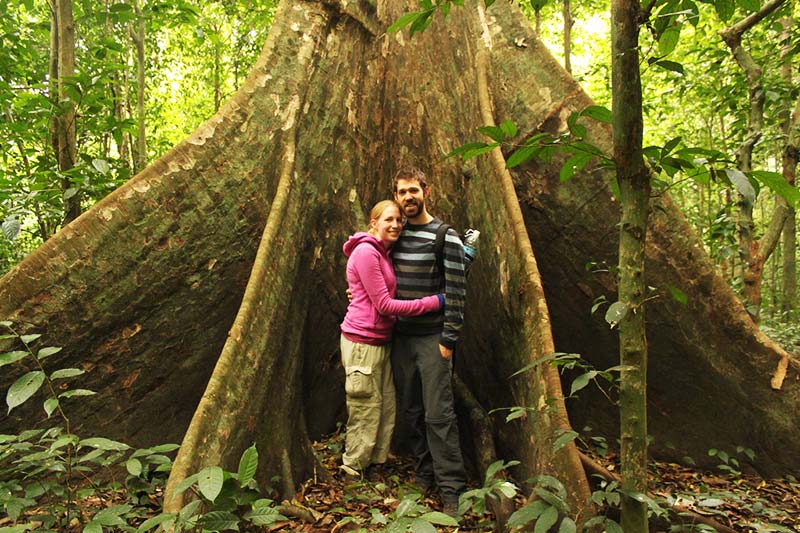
x=206 y=292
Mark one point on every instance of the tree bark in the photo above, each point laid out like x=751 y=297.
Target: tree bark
x=789 y=159
x=568 y=22
x=753 y=254
x=634 y=186
x=206 y=292
x=140 y=161
x=67 y=150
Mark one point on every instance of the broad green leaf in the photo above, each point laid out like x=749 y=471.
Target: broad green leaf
x=613 y=527
x=440 y=519
x=546 y=520
x=421 y=23
x=64 y=373
x=418 y=525
x=527 y=513
x=134 y=467
x=493 y=132
x=154 y=521
x=48 y=351
x=678 y=295
x=522 y=155
x=464 y=148
x=77 y=392
x=480 y=151
x=12 y=357
x=219 y=521
x=248 y=465
x=50 y=405
x=668 y=40
x=185 y=484
x=749 y=6
x=616 y=312
x=209 y=481
x=509 y=128
x=402 y=22
x=22 y=389
x=103 y=443
x=263 y=514
x=565 y=438
x=725 y=9
x=742 y=184
x=574 y=164
x=597 y=112
x=489 y=3
x=672 y=66
x=93 y=527
x=779 y=186
x=27 y=339
x=670 y=146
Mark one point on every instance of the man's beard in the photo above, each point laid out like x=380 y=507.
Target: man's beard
x=414 y=206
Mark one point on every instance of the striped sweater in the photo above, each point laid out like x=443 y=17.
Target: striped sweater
x=418 y=275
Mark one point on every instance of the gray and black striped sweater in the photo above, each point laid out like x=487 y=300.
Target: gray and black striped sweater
x=418 y=275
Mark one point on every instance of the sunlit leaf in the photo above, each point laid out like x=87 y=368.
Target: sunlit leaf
x=22 y=389
x=209 y=481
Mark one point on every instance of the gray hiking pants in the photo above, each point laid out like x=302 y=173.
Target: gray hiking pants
x=423 y=379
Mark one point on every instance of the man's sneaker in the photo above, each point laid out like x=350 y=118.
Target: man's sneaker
x=424 y=484
x=450 y=508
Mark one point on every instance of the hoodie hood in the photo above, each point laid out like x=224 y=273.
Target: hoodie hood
x=363 y=237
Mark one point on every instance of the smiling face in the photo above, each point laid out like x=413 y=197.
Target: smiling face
x=387 y=225
x=411 y=195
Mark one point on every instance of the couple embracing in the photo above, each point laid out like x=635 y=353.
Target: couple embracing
x=399 y=334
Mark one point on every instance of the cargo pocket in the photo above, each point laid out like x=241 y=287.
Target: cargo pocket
x=358 y=383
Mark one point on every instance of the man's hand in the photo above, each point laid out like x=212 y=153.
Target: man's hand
x=349 y=295
x=446 y=352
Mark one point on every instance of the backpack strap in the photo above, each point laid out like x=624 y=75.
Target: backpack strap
x=438 y=246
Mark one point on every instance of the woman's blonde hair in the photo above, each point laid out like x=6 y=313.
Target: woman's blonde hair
x=378 y=209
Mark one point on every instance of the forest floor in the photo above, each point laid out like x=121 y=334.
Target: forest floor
x=741 y=502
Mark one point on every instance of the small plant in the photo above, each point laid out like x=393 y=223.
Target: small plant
x=494 y=487
x=730 y=463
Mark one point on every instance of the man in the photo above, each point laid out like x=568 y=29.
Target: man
x=422 y=347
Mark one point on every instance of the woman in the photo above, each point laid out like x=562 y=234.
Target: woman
x=367 y=334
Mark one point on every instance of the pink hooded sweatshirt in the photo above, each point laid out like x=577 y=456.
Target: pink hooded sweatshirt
x=372 y=313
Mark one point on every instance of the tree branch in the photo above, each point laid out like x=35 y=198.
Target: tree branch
x=737 y=30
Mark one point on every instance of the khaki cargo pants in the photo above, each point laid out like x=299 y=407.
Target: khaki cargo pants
x=370 y=393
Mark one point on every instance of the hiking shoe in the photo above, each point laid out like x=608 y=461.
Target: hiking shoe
x=424 y=484
x=450 y=508
x=349 y=473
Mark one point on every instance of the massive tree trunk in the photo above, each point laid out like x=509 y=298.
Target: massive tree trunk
x=206 y=292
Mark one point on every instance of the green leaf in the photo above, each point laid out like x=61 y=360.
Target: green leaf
x=185 y=484
x=522 y=155
x=248 y=465
x=489 y=3
x=103 y=443
x=616 y=312
x=421 y=23
x=263 y=513
x=582 y=381
x=402 y=22
x=566 y=437
x=48 y=351
x=27 y=339
x=419 y=525
x=155 y=521
x=527 y=513
x=464 y=148
x=668 y=40
x=672 y=66
x=775 y=182
x=612 y=527
x=12 y=357
x=440 y=519
x=670 y=146
x=77 y=392
x=50 y=405
x=134 y=467
x=725 y=9
x=678 y=295
x=509 y=128
x=209 y=481
x=547 y=520
x=11 y=228
x=750 y=6
x=742 y=184
x=567 y=525
x=219 y=521
x=493 y=132
x=64 y=373
x=574 y=164
x=93 y=527
x=25 y=387
x=101 y=165
x=480 y=151
x=597 y=112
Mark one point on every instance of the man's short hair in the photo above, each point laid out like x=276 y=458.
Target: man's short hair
x=410 y=173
